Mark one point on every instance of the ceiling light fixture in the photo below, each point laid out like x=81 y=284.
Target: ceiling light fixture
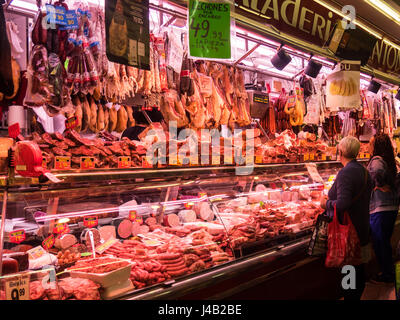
x=385 y=9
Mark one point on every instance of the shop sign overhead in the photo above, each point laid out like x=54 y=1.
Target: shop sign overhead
x=310 y=21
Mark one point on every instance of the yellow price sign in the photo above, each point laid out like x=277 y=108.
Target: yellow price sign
x=62 y=163
x=17 y=288
x=124 y=162
x=87 y=163
x=306 y=156
x=312 y=157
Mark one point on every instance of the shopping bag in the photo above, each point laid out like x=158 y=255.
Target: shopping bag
x=343 y=243
x=318 y=244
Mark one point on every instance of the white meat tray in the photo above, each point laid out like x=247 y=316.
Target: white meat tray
x=109 y=279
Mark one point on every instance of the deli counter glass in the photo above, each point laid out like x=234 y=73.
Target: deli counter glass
x=154 y=234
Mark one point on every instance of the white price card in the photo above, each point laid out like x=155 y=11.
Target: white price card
x=17 y=288
x=313 y=172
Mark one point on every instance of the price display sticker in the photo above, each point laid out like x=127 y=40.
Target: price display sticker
x=145 y=163
x=209 y=29
x=87 y=163
x=124 y=162
x=313 y=172
x=215 y=160
x=188 y=205
x=311 y=157
x=61 y=228
x=71 y=122
x=36 y=252
x=306 y=157
x=106 y=245
x=17 y=236
x=323 y=157
x=90 y=222
x=367 y=155
x=132 y=215
x=17 y=288
x=71 y=20
x=259 y=159
x=62 y=163
x=48 y=243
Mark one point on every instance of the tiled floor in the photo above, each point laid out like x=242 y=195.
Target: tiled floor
x=379 y=292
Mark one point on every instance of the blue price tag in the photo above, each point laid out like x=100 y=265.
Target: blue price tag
x=71 y=20
x=56 y=15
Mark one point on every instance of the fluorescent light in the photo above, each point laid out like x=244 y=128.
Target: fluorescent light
x=21 y=4
x=360 y=24
x=391 y=44
x=384 y=8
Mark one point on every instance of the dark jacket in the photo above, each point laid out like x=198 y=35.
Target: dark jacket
x=348 y=184
x=382 y=200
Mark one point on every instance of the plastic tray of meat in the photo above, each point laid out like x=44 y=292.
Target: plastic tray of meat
x=107 y=279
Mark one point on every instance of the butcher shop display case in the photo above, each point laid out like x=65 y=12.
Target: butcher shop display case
x=155 y=234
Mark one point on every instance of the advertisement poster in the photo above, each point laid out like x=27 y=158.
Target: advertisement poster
x=343 y=87
x=127 y=32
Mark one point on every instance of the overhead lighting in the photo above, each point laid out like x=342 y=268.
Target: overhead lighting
x=384 y=8
x=358 y=23
x=391 y=44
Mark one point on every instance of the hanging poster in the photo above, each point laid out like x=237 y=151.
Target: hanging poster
x=210 y=29
x=343 y=87
x=127 y=32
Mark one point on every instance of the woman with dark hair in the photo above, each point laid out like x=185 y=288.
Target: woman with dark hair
x=384 y=203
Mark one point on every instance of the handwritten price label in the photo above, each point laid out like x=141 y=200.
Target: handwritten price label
x=17 y=288
x=87 y=163
x=48 y=243
x=209 y=30
x=90 y=222
x=17 y=236
x=62 y=163
x=124 y=162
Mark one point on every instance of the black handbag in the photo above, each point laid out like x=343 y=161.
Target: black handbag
x=318 y=244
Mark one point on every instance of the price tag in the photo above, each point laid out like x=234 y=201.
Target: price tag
x=104 y=246
x=62 y=163
x=311 y=157
x=145 y=163
x=87 y=163
x=188 y=205
x=306 y=156
x=17 y=288
x=209 y=29
x=259 y=159
x=132 y=215
x=36 y=252
x=367 y=155
x=313 y=172
x=56 y=14
x=323 y=157
x=17 y=236
x=71 y=20
x=124 y=162
x=202 y=194
x=61 y=228
x=90 y=222
x=139 y=220
x=48 y=243
x=215 y=160
x=71 y=123
x=44 y=163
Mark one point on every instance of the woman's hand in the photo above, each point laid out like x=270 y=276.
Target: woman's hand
x=323 y=201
